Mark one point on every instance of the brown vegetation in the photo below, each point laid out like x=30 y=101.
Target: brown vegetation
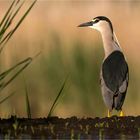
x=71 y=128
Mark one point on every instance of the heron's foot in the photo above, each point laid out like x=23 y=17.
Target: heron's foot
x=108 y=113
x=121 y=114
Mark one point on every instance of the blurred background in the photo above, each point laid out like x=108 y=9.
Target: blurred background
x=51 y=27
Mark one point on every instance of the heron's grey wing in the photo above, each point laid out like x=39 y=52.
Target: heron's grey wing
x=118 y=101
x=115 y=72
x=106 y=93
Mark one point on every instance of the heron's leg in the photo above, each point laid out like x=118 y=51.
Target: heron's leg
x=108 y=113
x=121 y=114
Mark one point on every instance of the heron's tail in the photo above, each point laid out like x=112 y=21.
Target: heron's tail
x=118 y=101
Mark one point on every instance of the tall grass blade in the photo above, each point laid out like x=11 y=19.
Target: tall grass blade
x=8 y=11
x=28 y=108
x=3 y=100
x=9 y=75
x=57 y=98
x=25 y=63
x=12 y=16
x=5 y=40
x=18 y=2
x=5 y=82
x=8 y=18
x=5 y=26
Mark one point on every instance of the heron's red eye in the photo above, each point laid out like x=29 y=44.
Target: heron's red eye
x=96 y=20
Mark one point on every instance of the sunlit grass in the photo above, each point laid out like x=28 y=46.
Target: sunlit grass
x=28 y=107
x=58 y=97
x=6 y=32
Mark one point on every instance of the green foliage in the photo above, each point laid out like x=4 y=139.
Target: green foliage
x=3 y=100
x=28 y=108
x=84 y=67
x=57 y=99
x=8 y=76
x=6 y=32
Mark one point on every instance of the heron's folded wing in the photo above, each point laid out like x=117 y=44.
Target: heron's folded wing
x=115 y=72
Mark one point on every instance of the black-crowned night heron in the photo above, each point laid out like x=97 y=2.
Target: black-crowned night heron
x=114 y=71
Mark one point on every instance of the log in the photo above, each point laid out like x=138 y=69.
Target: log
x=127 y=127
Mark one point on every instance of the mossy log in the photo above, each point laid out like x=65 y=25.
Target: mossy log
x=71 y=128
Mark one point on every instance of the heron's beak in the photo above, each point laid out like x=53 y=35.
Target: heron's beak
x=86 y=24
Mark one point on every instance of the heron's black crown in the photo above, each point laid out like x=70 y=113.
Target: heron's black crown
x=99 y=18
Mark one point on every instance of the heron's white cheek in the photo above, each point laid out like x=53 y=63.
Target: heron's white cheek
x=93 y=27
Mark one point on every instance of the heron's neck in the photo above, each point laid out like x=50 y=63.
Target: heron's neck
x=110 y=43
